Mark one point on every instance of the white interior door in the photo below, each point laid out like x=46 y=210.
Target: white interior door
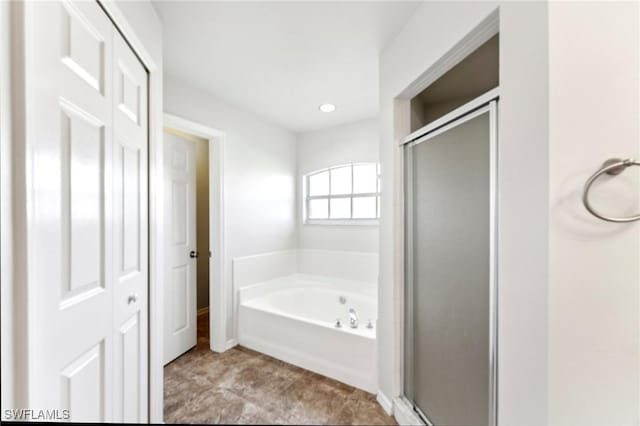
x=180 y=234
x=87 y=222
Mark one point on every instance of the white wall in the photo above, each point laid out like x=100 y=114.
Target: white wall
x=248 y=270
x=259 y=176
x=523 y=179
x=344 y=265
x=523 y=214
x=594 y=286
x=353 y=142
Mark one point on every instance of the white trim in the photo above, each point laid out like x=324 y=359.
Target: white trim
x=230 y=344
x=462 y=118
x=342 y=222
x=131 y=35
x=476 y=103
x=349 y=195
x=493 y=256
x=404 y=414
x=402 y=124
x=384 y=402
x=218 y=291
x=6 y=217
x=193 y=128
x=14 y=140
x=259 y=255
x=486 y=29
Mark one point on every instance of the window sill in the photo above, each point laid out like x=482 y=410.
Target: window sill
x=342 y=222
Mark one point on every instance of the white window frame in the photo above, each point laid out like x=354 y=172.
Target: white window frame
x=343 y=221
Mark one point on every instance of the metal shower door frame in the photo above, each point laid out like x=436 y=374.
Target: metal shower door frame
x=486 y=103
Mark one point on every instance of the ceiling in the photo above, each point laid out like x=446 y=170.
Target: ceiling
x=281 y=60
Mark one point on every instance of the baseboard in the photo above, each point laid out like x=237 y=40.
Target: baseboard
x=203 y=311
x=404 y=414
x=230 y=344
x=384 y=402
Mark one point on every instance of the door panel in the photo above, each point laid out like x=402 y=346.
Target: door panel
x=77 y=193
x=180 y=291
x=130 y=227
x=82 y=160
x=131 y=198
x=449 y=211
x=70 y=262
x=83 y=46
x=179 y=219
x=82 y=385
x=129 y=339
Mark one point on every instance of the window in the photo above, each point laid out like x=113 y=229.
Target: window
x=348 y=193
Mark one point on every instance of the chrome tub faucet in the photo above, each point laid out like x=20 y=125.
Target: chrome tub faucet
x=353 y=318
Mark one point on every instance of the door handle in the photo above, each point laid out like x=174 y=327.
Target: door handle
x=133 y=298
x=194 y=254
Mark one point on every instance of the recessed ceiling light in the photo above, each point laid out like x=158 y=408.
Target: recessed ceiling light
x=327 y=107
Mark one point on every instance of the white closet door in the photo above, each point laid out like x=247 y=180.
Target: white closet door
x=70 y=262
x=74 y=265
x=130 y=234
x=180 y=278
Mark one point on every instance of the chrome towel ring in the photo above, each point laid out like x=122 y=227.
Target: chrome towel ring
x=613 y=167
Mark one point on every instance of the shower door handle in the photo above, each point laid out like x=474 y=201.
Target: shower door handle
x=194 y=254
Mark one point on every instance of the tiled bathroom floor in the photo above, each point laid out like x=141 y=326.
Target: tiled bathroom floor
x=245 y=387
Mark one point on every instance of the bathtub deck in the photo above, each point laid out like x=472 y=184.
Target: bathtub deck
x=246 y=387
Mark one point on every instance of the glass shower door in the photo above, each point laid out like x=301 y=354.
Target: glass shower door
x=450 y=282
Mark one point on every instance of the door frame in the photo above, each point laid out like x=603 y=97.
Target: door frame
x=16 y=290
x=217 y=273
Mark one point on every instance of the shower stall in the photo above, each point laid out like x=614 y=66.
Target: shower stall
x=450 y=266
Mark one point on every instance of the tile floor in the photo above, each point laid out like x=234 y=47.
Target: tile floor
x=241 y=386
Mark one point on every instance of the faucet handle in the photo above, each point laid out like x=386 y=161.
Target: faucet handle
x=353 y=318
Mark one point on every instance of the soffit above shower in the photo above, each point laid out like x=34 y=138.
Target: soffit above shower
x=476 y=74
x=280 y=60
